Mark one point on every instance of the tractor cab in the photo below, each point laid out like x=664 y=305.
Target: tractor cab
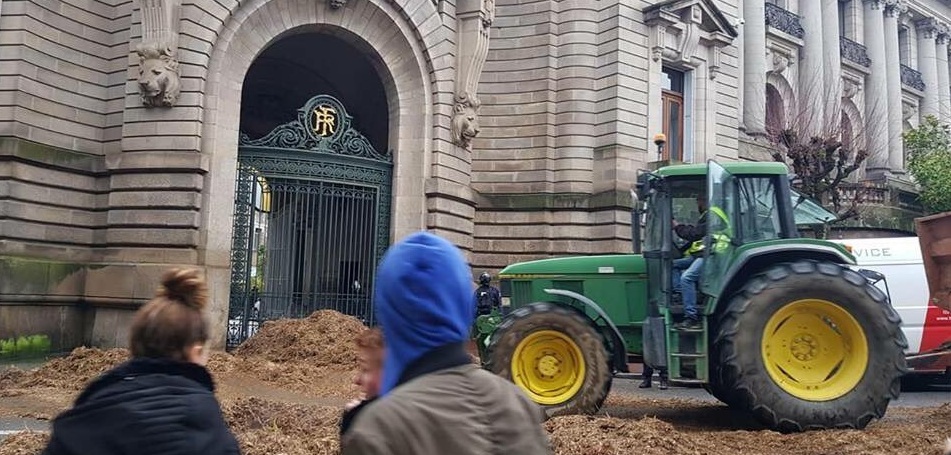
x=748 y=205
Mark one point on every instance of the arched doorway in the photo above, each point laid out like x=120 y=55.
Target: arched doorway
x=313 y=189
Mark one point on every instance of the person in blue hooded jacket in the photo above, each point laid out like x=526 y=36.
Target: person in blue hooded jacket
x=433 y=400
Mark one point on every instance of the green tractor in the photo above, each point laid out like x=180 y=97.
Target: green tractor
x=788 y=331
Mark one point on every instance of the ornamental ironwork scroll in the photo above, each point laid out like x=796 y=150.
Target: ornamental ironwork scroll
x=854 y=52
x=322 y=125
x=911 y=78
x=785 y=21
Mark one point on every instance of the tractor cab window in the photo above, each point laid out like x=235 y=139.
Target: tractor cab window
x=759 y=216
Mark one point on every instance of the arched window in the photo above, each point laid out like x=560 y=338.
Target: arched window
x=775 y=110
x=847 y=133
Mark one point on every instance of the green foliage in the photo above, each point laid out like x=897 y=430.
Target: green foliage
x=257 y=281
x=25 y=346
x=929 y=161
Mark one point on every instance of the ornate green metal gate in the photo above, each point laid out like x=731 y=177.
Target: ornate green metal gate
x=311 y=220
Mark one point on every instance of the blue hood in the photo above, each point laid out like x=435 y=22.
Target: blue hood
x=423 y=301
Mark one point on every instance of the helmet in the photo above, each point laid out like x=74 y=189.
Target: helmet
x=485 y=278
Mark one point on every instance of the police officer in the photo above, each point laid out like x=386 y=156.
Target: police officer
x=487 y=298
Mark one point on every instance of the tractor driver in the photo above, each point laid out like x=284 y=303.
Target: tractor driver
x=686 y=270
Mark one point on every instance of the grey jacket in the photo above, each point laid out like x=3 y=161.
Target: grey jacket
x=461 y=410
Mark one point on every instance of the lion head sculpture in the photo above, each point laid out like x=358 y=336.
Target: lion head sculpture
x=465 y=122
x=158 y=75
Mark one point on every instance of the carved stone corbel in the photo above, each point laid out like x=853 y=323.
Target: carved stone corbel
x=690 y=38
x=850 y=88
x=158 y=80
x=714 y=67
x=908 y=110
x=475 y=17
x=715 y=42
x=660 y=42
x=779 y=59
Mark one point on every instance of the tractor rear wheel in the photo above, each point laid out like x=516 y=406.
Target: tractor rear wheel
x=555 y=356
x=810 y=345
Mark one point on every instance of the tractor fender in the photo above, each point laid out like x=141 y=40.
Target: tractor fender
x=758 y=258
x=619 y=356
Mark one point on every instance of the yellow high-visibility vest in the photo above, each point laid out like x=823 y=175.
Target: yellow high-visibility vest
x=721 y=240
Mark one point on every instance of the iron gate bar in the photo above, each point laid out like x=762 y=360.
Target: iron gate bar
x=316 y=186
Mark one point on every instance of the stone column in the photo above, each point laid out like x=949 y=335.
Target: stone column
x=754 y=66
x=811 y=111
x=944 y=84
x=893 y=10
x=832 y=62
x=876 y=88
x=928 y=66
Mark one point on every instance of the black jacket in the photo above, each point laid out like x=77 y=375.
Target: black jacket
x=492 y=301
x=145 y=407
x=692 y=233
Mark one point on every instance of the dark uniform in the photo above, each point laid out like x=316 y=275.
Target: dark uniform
x=487 y=298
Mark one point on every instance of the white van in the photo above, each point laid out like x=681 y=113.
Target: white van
x=927 y=327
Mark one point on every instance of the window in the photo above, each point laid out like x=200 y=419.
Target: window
x=843 y=17
x=759 y=217
x=904 y=46
x=672 y=99
x=775 y=111
x=848 y=136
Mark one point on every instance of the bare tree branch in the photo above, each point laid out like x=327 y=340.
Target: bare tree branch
x=827 y=156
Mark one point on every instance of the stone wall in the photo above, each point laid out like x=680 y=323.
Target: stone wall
x=64 y=70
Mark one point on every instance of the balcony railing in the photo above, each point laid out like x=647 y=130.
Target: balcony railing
x=784 y=21
x=854 y=52
x=912 y=78
x=870 y=193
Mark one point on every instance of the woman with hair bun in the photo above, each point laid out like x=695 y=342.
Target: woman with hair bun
x=161 y=401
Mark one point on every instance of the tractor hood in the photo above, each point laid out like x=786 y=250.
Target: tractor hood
x=627 y=264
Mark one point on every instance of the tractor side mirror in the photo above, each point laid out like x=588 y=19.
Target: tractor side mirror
x=871 y=275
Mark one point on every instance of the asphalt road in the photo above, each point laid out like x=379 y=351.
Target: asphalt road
x=934 y=395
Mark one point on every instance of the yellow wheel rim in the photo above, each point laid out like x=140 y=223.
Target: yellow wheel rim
x=548 y=366
x=814 y=350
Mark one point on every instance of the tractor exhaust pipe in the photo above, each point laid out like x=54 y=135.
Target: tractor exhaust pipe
x=635 y=222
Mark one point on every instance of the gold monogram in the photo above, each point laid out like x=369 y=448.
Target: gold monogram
x=325 y=120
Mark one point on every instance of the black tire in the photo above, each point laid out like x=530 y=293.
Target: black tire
x=547 y=316
x=716 y=387
x=742 y=368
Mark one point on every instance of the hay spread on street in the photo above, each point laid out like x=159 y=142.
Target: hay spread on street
x=282 y=393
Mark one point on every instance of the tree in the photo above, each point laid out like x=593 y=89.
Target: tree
x=822 y=164
x=928 y=150
x=822 y=154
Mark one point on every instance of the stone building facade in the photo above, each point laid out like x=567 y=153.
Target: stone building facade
x=866 y=70
x=281 y=145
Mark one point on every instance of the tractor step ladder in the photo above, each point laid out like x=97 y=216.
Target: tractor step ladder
x=687 y=348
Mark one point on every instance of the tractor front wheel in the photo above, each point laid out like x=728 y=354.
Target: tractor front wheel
x=555 y=356
x=810 y=345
